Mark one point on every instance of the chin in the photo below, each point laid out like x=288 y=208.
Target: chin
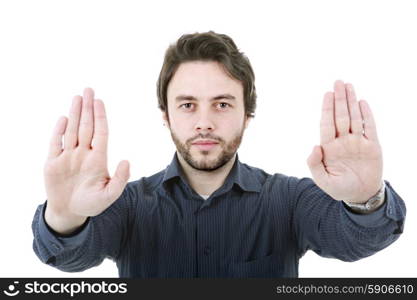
x=209 y=163
x=206 y=161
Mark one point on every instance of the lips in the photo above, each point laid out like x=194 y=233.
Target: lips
x=205 y=144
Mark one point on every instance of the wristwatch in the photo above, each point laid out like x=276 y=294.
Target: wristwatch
x=371 y=204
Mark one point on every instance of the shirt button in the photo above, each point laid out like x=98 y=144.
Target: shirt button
x=55 y=246
x=207 y=250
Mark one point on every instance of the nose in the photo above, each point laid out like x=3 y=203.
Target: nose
x=204 y=122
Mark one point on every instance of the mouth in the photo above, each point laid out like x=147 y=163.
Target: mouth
x=205 y=144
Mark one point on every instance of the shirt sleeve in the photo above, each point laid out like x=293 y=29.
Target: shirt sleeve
x=331 y=229
x=102 y=236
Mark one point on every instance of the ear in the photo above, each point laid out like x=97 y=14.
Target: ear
x=165 y=119
x=247 y=121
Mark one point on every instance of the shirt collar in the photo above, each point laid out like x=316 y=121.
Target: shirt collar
x=173 y=170
x=239 y=174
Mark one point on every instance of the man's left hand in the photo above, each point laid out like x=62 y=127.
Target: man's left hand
x=348 y=163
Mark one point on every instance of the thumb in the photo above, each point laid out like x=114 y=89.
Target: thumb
x=119 y=180
x=315 y=164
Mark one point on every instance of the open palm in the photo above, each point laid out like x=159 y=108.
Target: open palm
x=348 y=163
x=77 y=181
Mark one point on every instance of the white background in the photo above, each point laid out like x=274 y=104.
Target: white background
x=51 y=50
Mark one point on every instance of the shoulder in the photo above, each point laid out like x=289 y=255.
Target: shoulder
x=145 y=184
x=265 y=177
x=272 y=183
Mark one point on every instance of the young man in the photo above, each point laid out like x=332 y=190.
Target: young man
x=207 y=214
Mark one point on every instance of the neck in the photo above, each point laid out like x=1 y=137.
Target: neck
x=206 y=182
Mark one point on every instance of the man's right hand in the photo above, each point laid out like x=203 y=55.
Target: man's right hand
x=77 y=181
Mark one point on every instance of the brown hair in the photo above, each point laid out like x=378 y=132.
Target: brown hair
x=208 y=46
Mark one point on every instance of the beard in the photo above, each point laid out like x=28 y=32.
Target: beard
x=228 y=150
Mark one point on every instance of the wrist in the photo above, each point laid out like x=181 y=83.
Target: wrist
x=63 y=224
x=372 y=204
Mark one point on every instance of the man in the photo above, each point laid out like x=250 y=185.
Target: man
x=207 y=214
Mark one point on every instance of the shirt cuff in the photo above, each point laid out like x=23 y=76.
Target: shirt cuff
x=56 y=242
x=377 y=218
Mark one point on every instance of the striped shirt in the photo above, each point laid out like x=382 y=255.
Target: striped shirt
x=255 y=225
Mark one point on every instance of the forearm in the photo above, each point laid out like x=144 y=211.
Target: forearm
x=97 y=238
x=332 y=230
x=66 y=253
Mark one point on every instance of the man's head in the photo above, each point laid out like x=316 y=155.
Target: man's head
x=207 y=95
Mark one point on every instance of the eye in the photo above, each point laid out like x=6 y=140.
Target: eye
x=186 y=105
x=224 y=105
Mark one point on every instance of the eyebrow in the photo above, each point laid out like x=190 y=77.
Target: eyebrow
x=189 y=97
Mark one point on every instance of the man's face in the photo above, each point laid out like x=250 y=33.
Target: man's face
x=206 y=114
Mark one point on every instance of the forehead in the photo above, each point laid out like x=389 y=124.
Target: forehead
x=203 y=79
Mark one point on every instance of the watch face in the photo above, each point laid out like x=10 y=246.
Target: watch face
x=376 y=200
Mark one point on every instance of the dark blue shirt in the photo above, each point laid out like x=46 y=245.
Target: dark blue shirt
x=255 y=225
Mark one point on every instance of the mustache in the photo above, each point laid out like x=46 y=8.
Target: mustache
x=205 y=136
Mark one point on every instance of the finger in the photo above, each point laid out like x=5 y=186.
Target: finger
x=118 y=182
x=356 y=125
x=85 y=131
x=369 y=125
x=341 y=109
x=71 y=133
x=327 y=128
x=101 y=131
x=55 y=145
x=316 y=166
